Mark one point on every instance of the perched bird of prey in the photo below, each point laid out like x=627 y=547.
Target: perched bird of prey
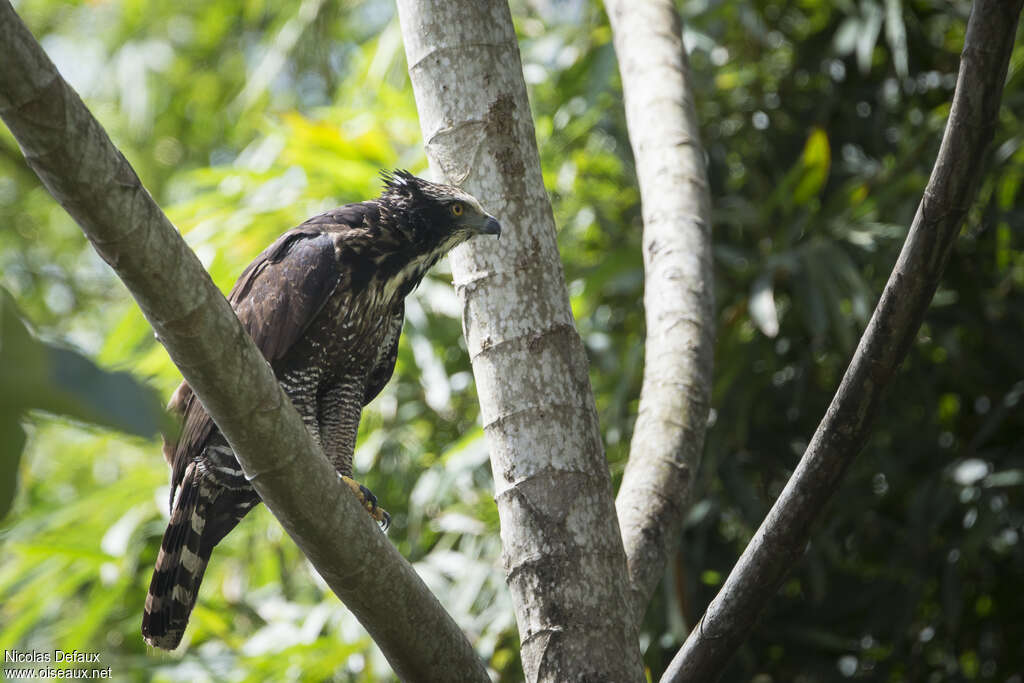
x=325 y=305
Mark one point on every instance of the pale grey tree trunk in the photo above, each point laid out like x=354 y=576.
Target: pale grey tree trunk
x=563 y=553
x=678 y=300
x=72 y=155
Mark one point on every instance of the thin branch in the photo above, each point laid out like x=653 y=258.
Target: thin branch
x=678 y=296
x=79 y=165
x=780 y=541
x=564 y=561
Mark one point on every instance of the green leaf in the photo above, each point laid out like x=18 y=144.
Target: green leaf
x=815 y=162
x=12 y=443
x=80 y=389
x=22 y=359
x=62 y=381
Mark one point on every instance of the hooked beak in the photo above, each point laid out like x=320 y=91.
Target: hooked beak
x=491 y=226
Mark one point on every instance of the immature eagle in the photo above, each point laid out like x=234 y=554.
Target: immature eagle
x=325 y=304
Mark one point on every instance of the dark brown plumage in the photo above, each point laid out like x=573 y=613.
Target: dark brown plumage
x=324 y=303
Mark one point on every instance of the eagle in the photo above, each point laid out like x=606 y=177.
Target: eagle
x=325 y=305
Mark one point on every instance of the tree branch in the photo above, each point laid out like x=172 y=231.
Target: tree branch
x=563 y=555
x=71 y=153
x=780 y=541
x=678 y=287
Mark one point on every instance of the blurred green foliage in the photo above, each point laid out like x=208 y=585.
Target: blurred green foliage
x=61 y=381
x=820 y=120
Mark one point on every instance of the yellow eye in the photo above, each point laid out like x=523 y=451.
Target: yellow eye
x=457 y=209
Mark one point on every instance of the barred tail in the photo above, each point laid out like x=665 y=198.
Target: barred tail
x=180 y=565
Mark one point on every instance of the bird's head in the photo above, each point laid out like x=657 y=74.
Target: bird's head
x=420 y=222
x=432 y=216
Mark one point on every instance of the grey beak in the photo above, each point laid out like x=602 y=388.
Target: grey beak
x=491 y=227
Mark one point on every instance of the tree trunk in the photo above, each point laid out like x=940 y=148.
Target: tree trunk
x=780 y=540
x=563 y=553
x=79 y=165
x=678 y=299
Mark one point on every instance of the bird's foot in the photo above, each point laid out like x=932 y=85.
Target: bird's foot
x=369 y=501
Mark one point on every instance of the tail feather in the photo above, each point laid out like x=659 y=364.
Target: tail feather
x=179 y=566
x=204 y=511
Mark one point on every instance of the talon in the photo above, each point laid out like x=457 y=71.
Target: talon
x=367 y=498
x=369 y=502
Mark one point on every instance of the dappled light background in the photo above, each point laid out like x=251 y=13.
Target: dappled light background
x=820 y=121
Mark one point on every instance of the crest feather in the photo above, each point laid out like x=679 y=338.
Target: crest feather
x=402 y=186
x=401 y=181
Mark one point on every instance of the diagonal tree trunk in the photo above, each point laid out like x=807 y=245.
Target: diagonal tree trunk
x=563 y=553
x=678 y=299
x=780 y=540
x=82 y=169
